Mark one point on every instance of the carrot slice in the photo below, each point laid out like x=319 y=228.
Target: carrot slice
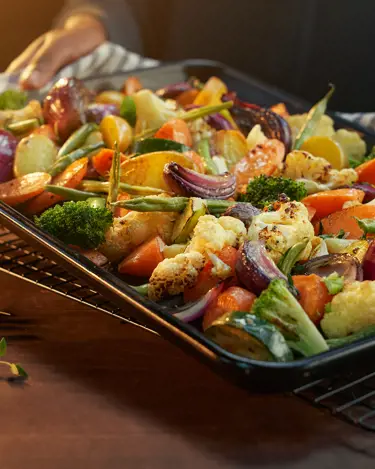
x=265 y=158
x=20 y=190
x=187 y=97
x=177 y=130
x=144 y=259
x=206 y=280
x=313 y=295
x=70 y=177
x=344 y=219
x=233 y=299
x=327 y=202
x=119 y=211
x=102 y=161
x=366 y=172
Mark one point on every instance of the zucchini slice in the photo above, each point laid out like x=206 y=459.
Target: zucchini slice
x=244 y=334
x=151 y=145
x=188 y=219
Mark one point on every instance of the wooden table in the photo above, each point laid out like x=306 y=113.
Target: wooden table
x=106 y=395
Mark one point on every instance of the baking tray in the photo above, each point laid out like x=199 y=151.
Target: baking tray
x=265 y=376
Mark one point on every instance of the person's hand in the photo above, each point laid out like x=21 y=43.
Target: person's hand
x=80 y=35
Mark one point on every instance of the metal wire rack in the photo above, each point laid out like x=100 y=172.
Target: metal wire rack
x=350 y=397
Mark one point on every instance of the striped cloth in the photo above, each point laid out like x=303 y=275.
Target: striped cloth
x=105 y=60
x=110 y=58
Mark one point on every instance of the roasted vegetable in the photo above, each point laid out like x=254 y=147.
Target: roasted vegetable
x=12 y=99
x=62 y=163
x=242 y=211
x=343 y=264
x=128 y=110
x=170 y=204
x=368 y=264
x=254 y=268
x=8 y=145
x=22 y=128
x=231 y=144
x=77 y=139
x=147 y=170
x=17 y=191
x=273 y=125
x=365 y=333
x=334 y=283
x=291 y=256
x=112 y=97
x=64 y=106
x=96 y=112
x=247 y=335
x=279 y=307
x=313 y=118
x=76 y=223
x=186 y=182
x=35 y=153
x=264 y=190
x=188 y=219
x=116 y=131
x=151 y=145
x=204 y=151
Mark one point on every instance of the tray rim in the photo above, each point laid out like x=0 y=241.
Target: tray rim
x=166 y=324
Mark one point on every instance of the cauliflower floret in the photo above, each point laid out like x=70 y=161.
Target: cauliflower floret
x=351 y=143
x=172 y=276
x=351 y=310
x=133 y=229
x=315 y=172
x=213 y=234
x=283 y=228
x=324 y=127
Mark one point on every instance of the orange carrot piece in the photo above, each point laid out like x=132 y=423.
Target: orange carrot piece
x=20 y=190
x=366 y=172
x=233 y=299
x=206 y=280
x=344 y=219
x=131 y=86
x=70 y=177
x=119 y=211
x=313 y=295
x=144 y=259
x=177 y=130
x=102 y=161
x=187 y=97
x=327 y=202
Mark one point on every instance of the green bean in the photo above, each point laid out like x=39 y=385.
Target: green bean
x=103 y=186
x=141 y=289
x=170 y=204
x=70 y=194
x=23 y=127
x=77 y=139
x=114 y=179
x=313 y=119
x=63 y=162
x=191 y=115
x=204 y=151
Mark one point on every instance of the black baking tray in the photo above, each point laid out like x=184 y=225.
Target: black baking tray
x=255 y=375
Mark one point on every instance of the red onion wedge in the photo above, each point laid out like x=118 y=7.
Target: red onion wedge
x=189 y=183
x=8 y=145
x=368 y=264
x=273 y=126
x=174 y=90
x=195 y=310
x=243 y=211
x=96 y=112
x=254 y=268
x=344 y=264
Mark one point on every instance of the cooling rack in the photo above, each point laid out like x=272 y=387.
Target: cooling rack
x=350 y=397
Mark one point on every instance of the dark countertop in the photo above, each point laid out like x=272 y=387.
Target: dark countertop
x=103 y=394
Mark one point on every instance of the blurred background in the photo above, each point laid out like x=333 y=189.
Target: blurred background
x=297 y=45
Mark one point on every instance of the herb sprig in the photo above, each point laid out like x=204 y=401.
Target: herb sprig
x=15 y=368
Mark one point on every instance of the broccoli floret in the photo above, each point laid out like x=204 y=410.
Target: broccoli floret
x=12 y=100
x=76 y=223
x=264 y=190
x=278 y=306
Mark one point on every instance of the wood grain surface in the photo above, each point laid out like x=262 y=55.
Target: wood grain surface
x=106 y=395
